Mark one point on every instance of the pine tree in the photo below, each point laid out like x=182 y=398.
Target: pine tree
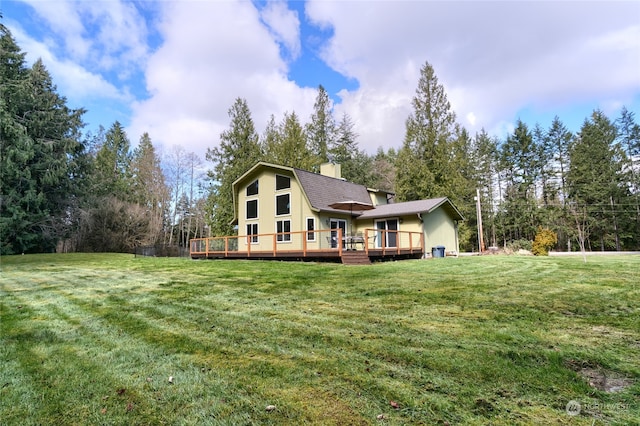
x=596 y=182
x=556 y=146
x=149 y=187
x=294 y=151
x=629 y=139
x=356 y=165
x=423 y=162
x=238 y=151
x=113 y=165
x=40 y=155
x=485 y=159
x=519 y=157
x=321 y=130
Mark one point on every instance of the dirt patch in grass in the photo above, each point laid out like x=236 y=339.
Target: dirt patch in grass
x=604 y=380
x=599 y=377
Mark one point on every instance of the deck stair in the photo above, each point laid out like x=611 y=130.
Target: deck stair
x=355 y=257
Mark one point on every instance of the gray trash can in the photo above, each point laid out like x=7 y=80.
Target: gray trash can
x=437 y=251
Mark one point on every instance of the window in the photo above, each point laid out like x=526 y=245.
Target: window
x=252 y=230
x=282 y=182
x=311 y=226
x=252 y=209
x=252 y=189
x=283 y=205
x=283 y=226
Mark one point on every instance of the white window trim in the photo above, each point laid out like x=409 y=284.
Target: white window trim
x=250 y=237
x=385 y=220
x=314 y=231
x=283 y=236
x=247 y=189
x=276 y=182
x=246 y=210
x=280 y=194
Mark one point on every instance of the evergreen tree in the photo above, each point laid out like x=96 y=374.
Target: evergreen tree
x=238 y=151
x=485 y=158
x=40 y=155
x=320 y=132
x=556 y=146
x=356 y=165
x=423 y=162
x=149 y=187
x=294 y=151
x=460 y=186
x=287 y=144
x=629 y=140
x=113 y=165
x=520 y=161
x=271 y=140
x=596 y=182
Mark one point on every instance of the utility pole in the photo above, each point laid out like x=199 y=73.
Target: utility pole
x=479 y=213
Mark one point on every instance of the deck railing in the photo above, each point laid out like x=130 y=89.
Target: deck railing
x=309 y=243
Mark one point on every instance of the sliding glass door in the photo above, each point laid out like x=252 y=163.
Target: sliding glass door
x=390 y=237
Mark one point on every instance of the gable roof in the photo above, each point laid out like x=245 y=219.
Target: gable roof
x=322 y=191
x=413 y=207
x=319 y=190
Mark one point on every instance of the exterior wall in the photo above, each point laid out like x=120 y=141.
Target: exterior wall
x=298 y=213
x=409 y=223
x=440 y=230
x=437 y=227
x=378 y=198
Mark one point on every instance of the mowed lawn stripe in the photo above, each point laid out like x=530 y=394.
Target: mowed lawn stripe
x=465 y=341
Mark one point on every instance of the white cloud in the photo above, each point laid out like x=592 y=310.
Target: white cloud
x=284 y=24
x=102 y=35
x=494 y=58
x=213 y=53
x=73 y=81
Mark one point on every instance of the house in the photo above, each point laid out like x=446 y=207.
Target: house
x=284 y=212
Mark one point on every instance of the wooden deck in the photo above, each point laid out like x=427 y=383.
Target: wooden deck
x=324 y=245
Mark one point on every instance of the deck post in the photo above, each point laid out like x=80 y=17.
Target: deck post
x=275 y=242
x=304 y=244
x=366 y=241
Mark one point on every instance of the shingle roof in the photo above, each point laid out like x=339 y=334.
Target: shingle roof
x=412 y=207
x=323 y=190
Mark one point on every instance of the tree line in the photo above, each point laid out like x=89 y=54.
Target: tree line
x=62 y=189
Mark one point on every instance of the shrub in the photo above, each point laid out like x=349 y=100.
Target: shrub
x=517 y=245
x=545 y=240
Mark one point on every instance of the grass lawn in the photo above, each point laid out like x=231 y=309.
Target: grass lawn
x=113 y=339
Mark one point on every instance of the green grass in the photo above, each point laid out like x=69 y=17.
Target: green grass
x=93 y=339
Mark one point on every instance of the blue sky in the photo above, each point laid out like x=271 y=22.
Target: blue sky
x=173 y=68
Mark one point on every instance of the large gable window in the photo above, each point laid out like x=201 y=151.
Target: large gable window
x=283 y=204
x=252 y=209
x=282 y=182
x=252 y=189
